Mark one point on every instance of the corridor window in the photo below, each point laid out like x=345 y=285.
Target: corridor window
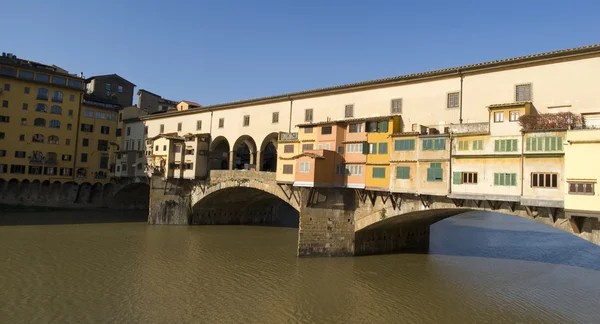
x=464 y=177
x=221 y=122
x=581 y=188
x=498 y=117
x=354 y=148
x=275 y=118
x=434 y=144
x=453 y=100
x=288 y=169
x=4 y=119
x=308 y=115
x=354 y=169
x=507 y=145
x=349 y=111
x=544 y=143
x=463 y=145
x=404 y=145
x=247 y=120
x=304 y=167
x=523 y=92
x=396 y=106
x=544 y=180
x=435 y=173
x=513 y=116
x=477 y=145
x=87 y=128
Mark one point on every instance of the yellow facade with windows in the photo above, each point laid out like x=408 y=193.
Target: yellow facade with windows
x=580 y=186
x=39 y=108
x=378 y=170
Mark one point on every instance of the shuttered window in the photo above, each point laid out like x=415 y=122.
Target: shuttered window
x=544 y=144
x=478 y=145
x=288 y=169
x=463 y=145
x=435 y=173
x=434 y=144
x=289 y=148
x=505 y=179
x=404 y=145
x=307 y=147
x=544 y=180
x=383 y=148
x=507 y=145
x=402 y=172
x=378 y=173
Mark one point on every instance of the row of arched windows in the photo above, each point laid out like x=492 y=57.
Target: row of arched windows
x=39 y=138
x=40 y=107
x=57 y=96
x=39 y=156
x=42 y=122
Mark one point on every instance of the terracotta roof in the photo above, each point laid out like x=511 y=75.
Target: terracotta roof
x=509 y=104
x=311 y=155
x=414 y=76
x=191 y=103
x=347 y=120
x=405 y=134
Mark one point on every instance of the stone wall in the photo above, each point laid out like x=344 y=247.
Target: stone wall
x=170 y=203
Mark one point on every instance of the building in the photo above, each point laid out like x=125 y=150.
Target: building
x=130 y=157
x=153 y=103
x=39 y=113
x=112 y=88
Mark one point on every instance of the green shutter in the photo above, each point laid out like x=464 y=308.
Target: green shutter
x=439 y=174
x=496 y=179
x=435 y=165
x=540 y=143
x=411 y=145
x=515 y=144
x=528 y=144
x=547 y=143
x=383 y=148
x=383 y=126
x=397 y=145
x=559 y=143
x=429 y=174
x=456 y=178
x=439 y=144
x=402 y=172
x=513 y=179
x=378 y=173
x=426 y=144
x=365 y=148
x=497 y=145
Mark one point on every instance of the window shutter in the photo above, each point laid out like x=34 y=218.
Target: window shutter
x=411 y=145
x=382 y=148
x=383 y=126
x=456 y=178
x=426 y=144
x=439 y=174
x=548 y=143
x=398 y=145
x=559 y=144
x=429 y=174
x=496 y=177
x=528 y=144
x=513 y=179
x=365 y=149
x=497 y=145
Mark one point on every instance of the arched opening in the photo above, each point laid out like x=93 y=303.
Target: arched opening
x=244 y=206
x=96 y=194
x=55 y=190
x=68 y=191
x=45 y=189
x=132 y=196
x=219 y=154
x=34 y=190
x=12 y=188
x=24 y=189
x=268 y=153
x=244 y=151
x=107 y=192
x=83 y=194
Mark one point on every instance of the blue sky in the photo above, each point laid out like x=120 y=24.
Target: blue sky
x=220 y=51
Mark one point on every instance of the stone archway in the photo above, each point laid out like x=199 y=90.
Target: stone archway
x=24 y=189
x=244 y=152
x=218 y=158
x=83 y=194
x=268 y=153
x=55 y=190
x=12 y=188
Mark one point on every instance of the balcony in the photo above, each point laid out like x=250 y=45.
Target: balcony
x=42 y=97
x=288 y=136
x=55 y=99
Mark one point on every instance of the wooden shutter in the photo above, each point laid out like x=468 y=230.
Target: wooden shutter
x=559 y=143
x=513 y=179
x=456 y=178
x=365 y=148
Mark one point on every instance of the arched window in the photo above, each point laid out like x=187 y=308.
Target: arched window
x=41 y=107
x=42 y=94
x=51 y=157
x=57 y=96
x=39 y=122
x=56 y=110
x=53 y=139
x=54 y=123
x=36 y=156
x=37 y=138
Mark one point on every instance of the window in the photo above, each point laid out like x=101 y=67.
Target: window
x=59 y=80
x=83 y=157
x=41 y=108
x=120 y=89
x=435 y=173
x=339 y=169
x=23 y=121
x=308 y=130
x=477 y=145
x=22 y=138
x=340 y=150
x=288 y=169
x=188 y=166
x=378 y=173
x=88 y=114
x=463 y=145
x=3 y=168
x=119 y=132
x=57 y=96
x=68 y=141
x=464 y=177
x=434 y=144
x=326 y=130
x=507 y=145
x=453 y=100
x=66 y=172
x=51 y=157
x=198 y=125
x=221 y=122
x=20 y=154
x=111 y=117
x=25 y=106
x=66 y=157
x=120 y=116
x=383 y=148
x=35 y=169
x=39 y=122
x=523 y=92
x=403 y=172
x=75 y=83
x=304 y=167
x=377 y=126
x=354 y=169
x=156 y=148
x=107 y=86
x=499 y=117
x=71 y=97
x=15 y=168
x=57 y=110
x=104 y=162
x=26 y=90
x=146 y=129
x=105 y=130
x=354 y=148
x=54 y=124
x=372 y=148
x=42 y=94
x=7 y=87
x=404 y=145
x=289 y=148
x=179 y=126
x=69 y=126
x=100 y=115
x=396 y=106
x=349 y=111
x=23 y=74
x=355 y=128
x=164 y=147
x=275 y=117
x=162 y=128
x=2 y=135
x=85 y=142
x=37 y=138
x=4 y=119
x=246 y=120
x=2 y=153
x=308 y=115
x=42 y=77
x=87 y=128
x=544 y=180
x=544 y=143
x=5 y=103
x=581 y=188
x=307 y=147
x=5 y=70
x=513 y=116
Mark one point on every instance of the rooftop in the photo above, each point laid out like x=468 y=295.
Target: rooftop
x=13 y=60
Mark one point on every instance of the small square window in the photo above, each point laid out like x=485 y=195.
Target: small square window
x=453 y=100
x=308 y=115
x=7 y=87
x=27 y=90
x=71 y=97
x=25 y=106
x=221 y=122
x=498 y=117
x=523 y=92
x=396 y=106
x=349 y=111
x=5 y=103
x=514 y=116
x=275 y=118
x=247 y=120
x=120 y=89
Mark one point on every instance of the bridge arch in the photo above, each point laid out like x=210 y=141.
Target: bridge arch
x=135 y=195
x=268 y=153
x=244 y=152
x=219 y=151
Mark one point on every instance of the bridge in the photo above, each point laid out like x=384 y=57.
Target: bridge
x=331 y=221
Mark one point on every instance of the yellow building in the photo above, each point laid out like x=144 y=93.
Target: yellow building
x=403 y=162
x=288 y=146
x=579 y=186
x=97 y=140
x=38 y=120
x=377 y=147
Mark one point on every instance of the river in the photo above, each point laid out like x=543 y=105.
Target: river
x=482 y=267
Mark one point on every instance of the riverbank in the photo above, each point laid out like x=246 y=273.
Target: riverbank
x=32 y=215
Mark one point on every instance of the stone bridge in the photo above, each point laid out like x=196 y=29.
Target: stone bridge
x=129 y=193
x=331 y=221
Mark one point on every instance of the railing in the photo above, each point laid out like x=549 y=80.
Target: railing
x=288 y=136
x=42 y=97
